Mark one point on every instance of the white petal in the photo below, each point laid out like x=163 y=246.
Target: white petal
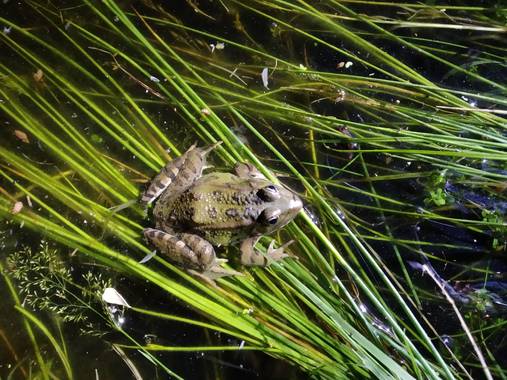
x=264 y=76
x=111 y=296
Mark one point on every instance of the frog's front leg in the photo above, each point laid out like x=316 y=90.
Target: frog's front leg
x=179 y=174
x=247 y=170
x=250 y=256
x=192 y=252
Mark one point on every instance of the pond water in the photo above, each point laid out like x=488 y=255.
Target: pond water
x=388 y=119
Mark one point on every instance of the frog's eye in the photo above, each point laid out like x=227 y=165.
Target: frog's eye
x=269 y=193
x=273 y=220
x=269 y=216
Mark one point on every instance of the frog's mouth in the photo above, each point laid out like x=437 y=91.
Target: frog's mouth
x=295 y=204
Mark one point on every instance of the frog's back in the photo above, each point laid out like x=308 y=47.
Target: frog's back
x=217 y=201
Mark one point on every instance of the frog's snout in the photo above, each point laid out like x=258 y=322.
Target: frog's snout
x=295 y=204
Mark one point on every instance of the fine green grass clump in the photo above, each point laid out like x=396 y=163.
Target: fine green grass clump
x=387 y=120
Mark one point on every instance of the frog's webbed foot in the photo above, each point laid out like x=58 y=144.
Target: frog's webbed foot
x=277 y=254
x=178 y=174
x=251 y=257
x=216 y=271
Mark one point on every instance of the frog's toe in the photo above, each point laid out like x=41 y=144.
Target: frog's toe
x=123 y=206
x=213 y=273
x=218 y=271
x=210 y=147
x=277 y=254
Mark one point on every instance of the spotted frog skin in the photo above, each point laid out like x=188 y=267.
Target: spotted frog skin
x=195 y=213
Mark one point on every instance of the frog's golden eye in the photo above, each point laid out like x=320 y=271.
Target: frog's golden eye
x=269 y=216
x=269 y=193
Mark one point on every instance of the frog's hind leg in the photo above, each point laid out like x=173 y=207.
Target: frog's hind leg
x=179 y=174
x=162 y=180
x=192 y=252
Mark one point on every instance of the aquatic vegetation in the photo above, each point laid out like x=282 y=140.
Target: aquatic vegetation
x=393 y=134
x=45 y=282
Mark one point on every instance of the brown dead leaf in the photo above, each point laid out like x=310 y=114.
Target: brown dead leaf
x=38 y=76
x=21 y=136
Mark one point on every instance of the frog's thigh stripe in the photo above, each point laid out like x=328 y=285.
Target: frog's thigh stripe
x=150 y=232
x=192 y=168
x=173 y=241
x=196 y=243
x=169 y=243
x=171 y=171
x=160 y=183
x=201 y=247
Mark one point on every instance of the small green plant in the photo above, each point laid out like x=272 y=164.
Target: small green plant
x=498 y=228
x=46 y=283
x=438 y=196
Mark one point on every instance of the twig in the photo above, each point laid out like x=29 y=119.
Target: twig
x=138 y=81
x=478 y=352
x=471 y=109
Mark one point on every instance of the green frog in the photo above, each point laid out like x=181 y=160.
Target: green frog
x=194 y=213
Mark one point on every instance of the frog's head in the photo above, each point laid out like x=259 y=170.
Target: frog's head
x=279 y=207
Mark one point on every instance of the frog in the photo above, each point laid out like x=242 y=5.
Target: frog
x=195 y=213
